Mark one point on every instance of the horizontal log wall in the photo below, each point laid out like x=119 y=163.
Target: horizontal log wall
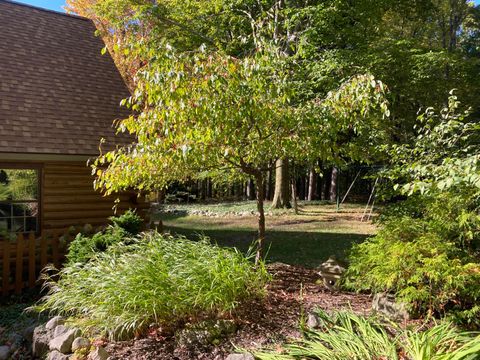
x=68 y=198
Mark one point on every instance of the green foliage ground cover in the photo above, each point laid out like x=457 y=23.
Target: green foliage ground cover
x=346 y=336
x=152 y=279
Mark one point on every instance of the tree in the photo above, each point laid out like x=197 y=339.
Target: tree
x=205 y=113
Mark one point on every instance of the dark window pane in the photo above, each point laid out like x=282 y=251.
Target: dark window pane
x=18 y=225
x=5 y=210
x=31 y=224
x=3 y=225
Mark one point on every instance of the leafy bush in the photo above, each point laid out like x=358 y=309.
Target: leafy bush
x=428 y=248
x=346 y=336
x=86 y=245
x=157 y=279
x=410 y=258
x=129 y=221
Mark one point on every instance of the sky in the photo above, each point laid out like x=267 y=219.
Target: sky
x=57 y=4
x=47 y=4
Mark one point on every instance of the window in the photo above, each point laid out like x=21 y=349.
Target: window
x=19 y=200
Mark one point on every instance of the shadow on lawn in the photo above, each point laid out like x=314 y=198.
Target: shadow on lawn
x=308 y=249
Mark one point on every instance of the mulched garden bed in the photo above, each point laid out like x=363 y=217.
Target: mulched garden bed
x=293 y=292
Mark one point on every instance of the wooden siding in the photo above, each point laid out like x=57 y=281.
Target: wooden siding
x=68 y=198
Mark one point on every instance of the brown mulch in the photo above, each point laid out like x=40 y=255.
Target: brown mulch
x=293 y=291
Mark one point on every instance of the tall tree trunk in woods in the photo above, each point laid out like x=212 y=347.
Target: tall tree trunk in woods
x=294 y=196
x=281 y=198
x=250 y=190
x=327 y=179
x=161 y=196
x=209 y=188
x=202 y=191
x=301 y=187
x=312 y=185
x=333 y=184
x=259 y=181
x=269 y=185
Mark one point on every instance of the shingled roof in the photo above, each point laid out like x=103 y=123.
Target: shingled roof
x=58 y=93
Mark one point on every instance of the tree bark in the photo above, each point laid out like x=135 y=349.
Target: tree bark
x=281 y=198
x=312 y=185
x=269 y=185
x=333 y=184
x=259 y=180
x=250 y=190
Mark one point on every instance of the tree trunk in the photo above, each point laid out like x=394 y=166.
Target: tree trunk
x=281 y=198
x=294 y=196
x=312 y=185
x=269 y=185
x=333 y=184
x=250 y=190
x=209 y=189
x=327 y=178
x=261 y=216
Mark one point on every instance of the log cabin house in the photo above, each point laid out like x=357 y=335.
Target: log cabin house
x=59 y=96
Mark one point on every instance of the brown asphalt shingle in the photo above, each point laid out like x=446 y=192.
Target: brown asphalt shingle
x=58 y=94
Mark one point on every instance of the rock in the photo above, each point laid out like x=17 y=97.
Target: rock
x=54 y=322
x=59 y=330
x=245 y=356
x=80 y=343
x=385 y=304
x=4 y=352
x=40 y=340
x=63 y=343
x=56 y=355
x=16 y=341
x=98 y=354
x=312 y=321
x=331 y=271
x=28 y=333
x=205 y=333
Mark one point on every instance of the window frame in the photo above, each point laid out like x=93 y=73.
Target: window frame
x=39 y=200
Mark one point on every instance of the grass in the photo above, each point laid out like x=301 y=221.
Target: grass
x=347 y=336
x=307 y=239
x=157 y=279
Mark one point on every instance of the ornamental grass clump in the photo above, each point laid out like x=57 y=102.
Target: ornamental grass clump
x=346 y=336
x=157 y=279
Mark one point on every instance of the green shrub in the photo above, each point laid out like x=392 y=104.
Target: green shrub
x=428 y=260
x=129 y=221
x=157 y=279
x=86 y=245
x=346 y=336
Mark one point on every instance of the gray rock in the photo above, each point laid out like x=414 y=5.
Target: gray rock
x=205 y=333
x=59 y=330
x=16 y=341
x=4 y=352
x=28 y=333
x=40 y=340
x=56 y=355
x=245 y=356
x=98 y=354
x=54 y=322
x=312 y=321
x=63 y=343
x=385 y=304
x=80 y=343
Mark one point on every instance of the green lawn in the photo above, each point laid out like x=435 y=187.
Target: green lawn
x=308 y=238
